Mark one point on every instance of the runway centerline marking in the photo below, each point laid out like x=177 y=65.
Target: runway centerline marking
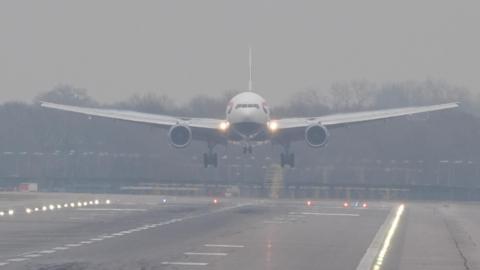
x=324 y=214
x=18 y=259
x=47 y=251
x=206 y=253
x=32 y=255
x=3 y=263
x=224 y=245
x=114 y=209
x=186 y=263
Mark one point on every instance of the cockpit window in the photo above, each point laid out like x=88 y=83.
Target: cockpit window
x=247 y=106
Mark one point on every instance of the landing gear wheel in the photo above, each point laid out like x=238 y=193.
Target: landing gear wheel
x=214 y=161
x=287 y=159
x=291 y=160
x=210 y=159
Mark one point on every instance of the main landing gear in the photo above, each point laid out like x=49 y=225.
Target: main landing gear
x=287 y=158
x=210 y=158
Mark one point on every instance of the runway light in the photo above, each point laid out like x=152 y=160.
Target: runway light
x=36 y=209
x=59 y=206
x=85 y=203
x=90 y=202
x=364 y=205
x=28 y=210
x=2 y=213
x=345 y=204
x=273 y=126
x=11 y=212
x=44 y=208
x=65 y=205
x=96 y=202
x=107 y=201
x=72 y=204
x=79 y=204
x=51 y=207
x=215 y=201
x=309 y=203
x=164 y=200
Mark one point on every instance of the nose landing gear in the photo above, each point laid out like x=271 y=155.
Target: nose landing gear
x=247 y=149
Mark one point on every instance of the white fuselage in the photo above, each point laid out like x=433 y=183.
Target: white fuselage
x=248 y=115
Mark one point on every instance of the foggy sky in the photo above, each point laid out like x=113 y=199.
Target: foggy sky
x=184 y=48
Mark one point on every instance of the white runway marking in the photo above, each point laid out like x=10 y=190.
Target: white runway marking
x=383 y=234
x=18 y=259
x=326 y=214
x=224 y=245
x=186 y=263
x=29 y=255
x=96 y=239
x=206 y=253
x=3 y=263
x=32 y=255
x=113 y=209
x=47 y=251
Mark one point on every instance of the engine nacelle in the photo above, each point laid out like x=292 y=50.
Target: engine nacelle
x=180 y=136
x=316 y=135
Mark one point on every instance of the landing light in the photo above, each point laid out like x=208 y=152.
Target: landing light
x=224 y=125
x=364 y=205
x=273 y=126
x=345 y=204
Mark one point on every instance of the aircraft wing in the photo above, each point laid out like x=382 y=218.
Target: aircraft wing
x=202 y=128
x=294 y=125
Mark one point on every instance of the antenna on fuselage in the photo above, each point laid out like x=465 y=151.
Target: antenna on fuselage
x=250 y=84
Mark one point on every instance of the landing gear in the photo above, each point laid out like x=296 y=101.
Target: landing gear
x=287 y=158
x=210 y=158
x=247 y=149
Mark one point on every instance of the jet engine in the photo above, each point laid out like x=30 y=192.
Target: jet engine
x=180 y=136
x=316 y=135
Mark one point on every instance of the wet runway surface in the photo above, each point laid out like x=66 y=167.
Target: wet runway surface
x=144 y=232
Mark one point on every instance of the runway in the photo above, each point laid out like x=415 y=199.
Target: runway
x=146 y=232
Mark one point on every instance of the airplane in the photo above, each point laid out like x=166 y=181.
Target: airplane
x=248 y=122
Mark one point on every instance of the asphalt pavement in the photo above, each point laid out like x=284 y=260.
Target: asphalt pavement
x=82 y=231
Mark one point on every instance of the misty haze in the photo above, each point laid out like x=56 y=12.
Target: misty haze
x=234 y=135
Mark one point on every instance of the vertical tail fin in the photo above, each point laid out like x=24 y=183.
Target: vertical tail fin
x=250 y=84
